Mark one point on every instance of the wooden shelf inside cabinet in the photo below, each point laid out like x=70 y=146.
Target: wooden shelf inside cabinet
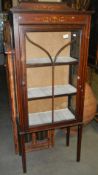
x=34 y=62
x=42 y=118
x=46 y=92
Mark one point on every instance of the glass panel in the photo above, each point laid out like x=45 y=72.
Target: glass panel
x=39 y=81
x=45 y=45
x=75 y=47
x=72 y=103
x=52 y=61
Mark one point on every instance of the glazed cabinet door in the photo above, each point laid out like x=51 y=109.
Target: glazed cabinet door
x=51 y=63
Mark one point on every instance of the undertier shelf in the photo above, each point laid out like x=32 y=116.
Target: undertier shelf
x=47 y=61
x=46 y=117
x=47 y=91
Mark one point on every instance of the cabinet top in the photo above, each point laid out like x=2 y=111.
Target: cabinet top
x=43 y=7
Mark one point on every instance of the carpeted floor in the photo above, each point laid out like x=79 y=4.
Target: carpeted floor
x=60 y=160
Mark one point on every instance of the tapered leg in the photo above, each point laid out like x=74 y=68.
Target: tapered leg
x=79 y=138
x=67 y=136
x=22 y=138
x=52 y=136
x=19 y=144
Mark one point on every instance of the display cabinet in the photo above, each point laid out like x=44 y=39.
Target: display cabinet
x=50 y=48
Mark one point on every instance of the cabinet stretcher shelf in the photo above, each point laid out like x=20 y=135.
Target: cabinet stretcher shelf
x=46 y=117
x=59 y=90
x=47 y=62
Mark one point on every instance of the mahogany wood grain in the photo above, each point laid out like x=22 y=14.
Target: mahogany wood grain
x=48 y=17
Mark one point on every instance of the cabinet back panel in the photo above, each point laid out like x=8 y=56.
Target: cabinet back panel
x=42 y=76
x=51 y=41
x=46 y=105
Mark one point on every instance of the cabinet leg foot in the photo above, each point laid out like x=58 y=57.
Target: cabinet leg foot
x=19 y=144
x=23 y=153
x=67 y=136
x=79 y=139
